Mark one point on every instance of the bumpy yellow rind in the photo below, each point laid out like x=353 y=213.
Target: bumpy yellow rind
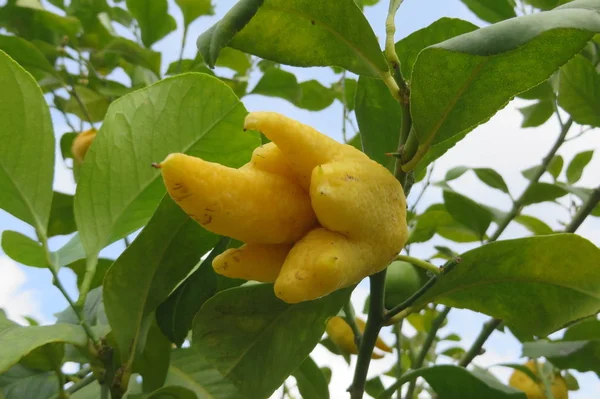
x=534 y=390
x=257 y=262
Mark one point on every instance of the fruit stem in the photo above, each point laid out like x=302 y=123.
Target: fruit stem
x=350 y=318
x=419 y=263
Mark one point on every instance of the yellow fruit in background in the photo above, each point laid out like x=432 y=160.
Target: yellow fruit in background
x=344 y=213
x=247 y=204
x=342 y=335
x=81 y=144
x=258 y=262
x=535 y=390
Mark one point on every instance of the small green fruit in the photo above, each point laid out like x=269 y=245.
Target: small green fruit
x=402 y=280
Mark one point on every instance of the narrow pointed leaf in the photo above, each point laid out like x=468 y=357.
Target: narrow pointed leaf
x=153 y=18
x=468 y=212
x=537 y=114
x=491 y=178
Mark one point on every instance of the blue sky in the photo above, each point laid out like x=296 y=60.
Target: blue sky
x=28 y=291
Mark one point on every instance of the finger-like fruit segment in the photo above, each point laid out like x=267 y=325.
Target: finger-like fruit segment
x=342 y=335
x=360 y=323
x=361 y=200
x=246 y=204
x=535 y=390
x=321 y=262
x=81 y=144
x=303 y=146
x=268 y=157
x=258 y=262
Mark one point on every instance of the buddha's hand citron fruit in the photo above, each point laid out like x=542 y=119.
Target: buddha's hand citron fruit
x=401 y=281
x=340 y=332
x=343 y=214
x=81 y=144
x=535 y=389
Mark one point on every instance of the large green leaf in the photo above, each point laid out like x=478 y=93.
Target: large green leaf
x=310 y=95
x=153 y=18
x=23 y=249
x=491 y=10
x=537 y=284
x=443 y=29
x=118 y=190
x=468 y=212
x=577 y=164
x=237 y=329
x=458 y=382
x=462 y=82
x=192 y=9
x=27 y=150
x=22 y=382
x=189 y=369
x=17 y=342
x=175 y=315
x=579 y=91
x=311 y=380
x=150 y=268
x=579 y=349
x=299 y=33
x=379 y=118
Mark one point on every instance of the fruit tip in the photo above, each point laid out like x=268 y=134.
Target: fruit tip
x=156 y=165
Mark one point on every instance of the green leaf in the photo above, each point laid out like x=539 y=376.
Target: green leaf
x=316 y=34
x=21 y=382
x=455 y=173
x=450 y=382
x=29 y=57
x=94 y=103
x=192 y=9
x=454 y=352
x=70 y=252
x=132 y=52
x=579 y=91
x=542 y=192
x=188 y=65
x=543 y=4
x=79 y=268
x=374 y=387
x=27 y=150
x=537 y=114
x=530 y=173
x=379 y=118
x=533 y=224
x=491 y=178
x=234 y=59
x=309 y=95
x=237 y=327
x=176 y=314
x=491 y=11
x=121 y=16
x=571 y=381
x=18 y=342
x=211 y=42
x=189 y=369
x=167 y=392
x=555 y=166
x=579 y=349
x=468 y=212
x=62 y=220
x=443 y=29
x=45 y=358
x=437 y=220
x=144 y=275
x=537 y=284
x=93 y=311
x=455 y=84
x=153 y=18
x=153 y=361
x=577 y=164
x=118 y=190
x=311 y=381
x=23 y=249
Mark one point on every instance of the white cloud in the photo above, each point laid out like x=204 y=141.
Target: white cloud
x=17 y=302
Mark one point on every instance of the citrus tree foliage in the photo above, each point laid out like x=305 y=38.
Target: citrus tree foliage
x=158 y=322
